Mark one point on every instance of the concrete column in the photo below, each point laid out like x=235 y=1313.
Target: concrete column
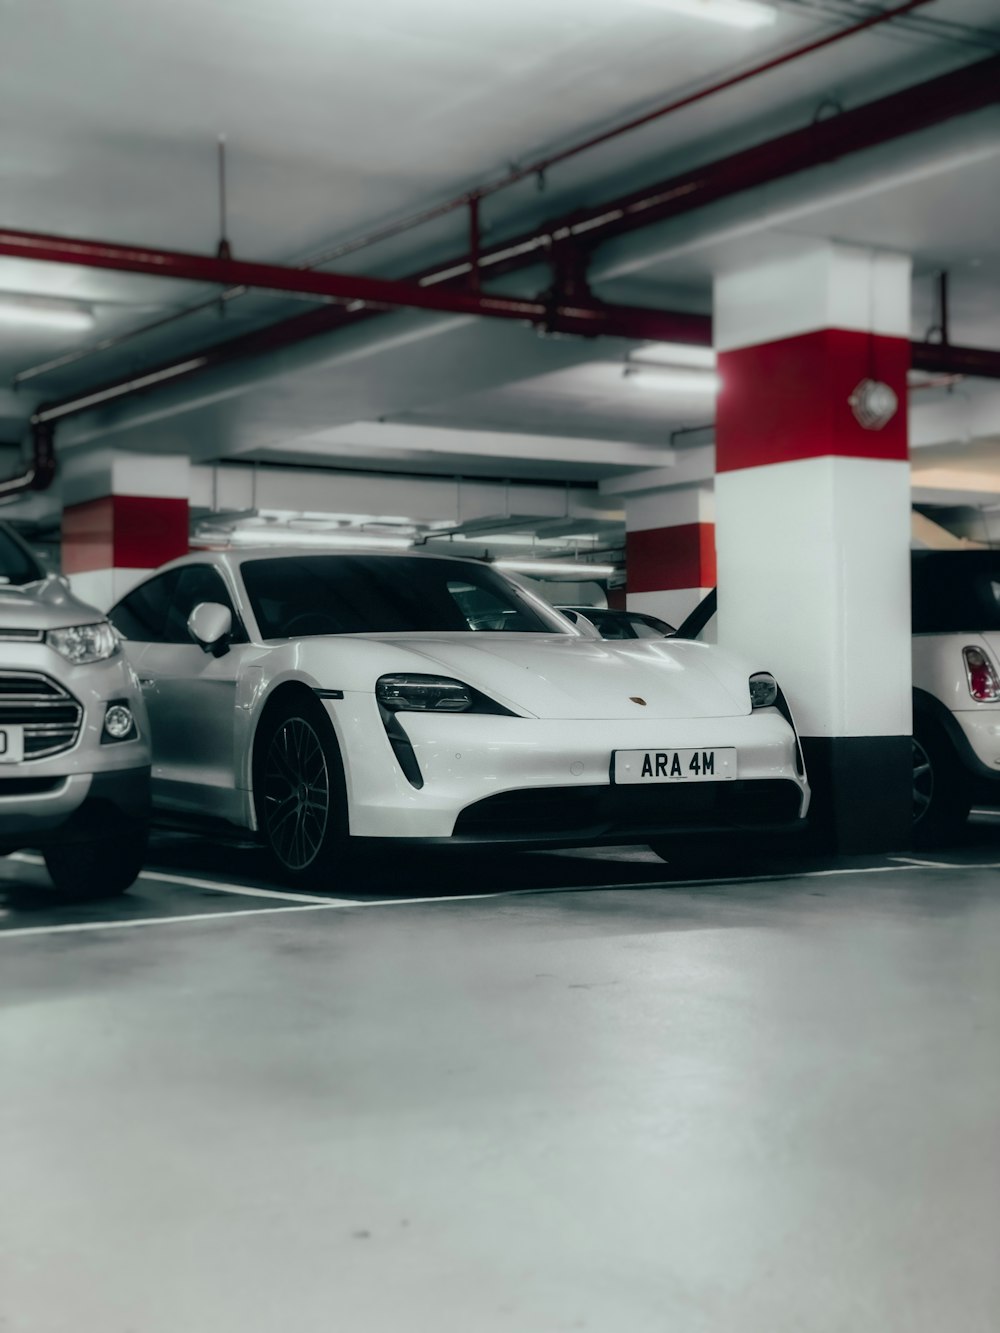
x=124 y=515
x=813 y=517
x=669 y=550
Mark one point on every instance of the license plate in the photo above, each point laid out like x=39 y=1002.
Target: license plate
x=11 y=745
x=673 y=765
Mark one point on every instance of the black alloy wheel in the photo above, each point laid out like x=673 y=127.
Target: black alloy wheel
x=296 y=795
x=923 y=783
x=942 y=791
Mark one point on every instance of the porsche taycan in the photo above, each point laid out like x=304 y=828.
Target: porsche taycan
x=319 y=700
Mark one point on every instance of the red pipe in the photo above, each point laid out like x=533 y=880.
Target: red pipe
x=472 y=198
x=918 y=107
x=40 y=472
x=588 y=319
x=947 y=359
x=959 y=92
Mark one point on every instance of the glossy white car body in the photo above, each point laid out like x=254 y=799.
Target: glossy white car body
x=571 y=701
x=956 y=613
x=939 y=672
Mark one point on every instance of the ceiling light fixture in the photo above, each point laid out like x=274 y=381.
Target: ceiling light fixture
x=670 y=379
x=676 y=354
x=735 y=13
x=34 y=312
x=580 y=570
x=327 y=540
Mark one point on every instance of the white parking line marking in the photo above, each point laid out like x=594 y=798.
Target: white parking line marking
x=936 y=865
x=244 y=890
x=78 y=927
x=338 y=904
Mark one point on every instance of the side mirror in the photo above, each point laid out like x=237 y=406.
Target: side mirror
x=210 y=625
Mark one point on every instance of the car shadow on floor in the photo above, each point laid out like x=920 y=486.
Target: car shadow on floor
x=185 y=873
x=424 y=872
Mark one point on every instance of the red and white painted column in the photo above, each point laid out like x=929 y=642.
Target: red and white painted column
x=124 y=515
x=813 y=516
x=669 y=549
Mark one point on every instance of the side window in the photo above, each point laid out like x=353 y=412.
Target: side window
x=196 y=583
x=142 y=615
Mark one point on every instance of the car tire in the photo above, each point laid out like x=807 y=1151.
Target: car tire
x=942 y=794
x=301 y=796
x=106 y=867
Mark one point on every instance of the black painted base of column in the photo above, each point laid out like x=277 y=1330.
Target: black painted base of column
x=862 y=792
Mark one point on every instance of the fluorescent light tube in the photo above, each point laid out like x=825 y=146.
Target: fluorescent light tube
x=543 y=567
x=328 y=540
x=665 y=379
x=735 y=13
x=675 y=354
x=30 y=312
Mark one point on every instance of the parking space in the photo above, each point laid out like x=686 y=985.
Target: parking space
x=187 y=878
x=382 y=1113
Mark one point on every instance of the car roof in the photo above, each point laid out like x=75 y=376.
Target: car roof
x=233 y=557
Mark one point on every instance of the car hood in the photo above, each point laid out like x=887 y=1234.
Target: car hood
x=562 y=676
x=42 y=606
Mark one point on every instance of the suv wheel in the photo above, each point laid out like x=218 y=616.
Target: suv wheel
x=941 y=795
x=102 y=867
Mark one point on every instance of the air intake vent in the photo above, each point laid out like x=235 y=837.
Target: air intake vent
x=21 y=635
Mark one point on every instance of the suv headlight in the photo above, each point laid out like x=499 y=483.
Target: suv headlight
x=84 y=643
x=416 y=693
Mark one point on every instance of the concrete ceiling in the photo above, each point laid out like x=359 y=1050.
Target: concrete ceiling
x=341 y=119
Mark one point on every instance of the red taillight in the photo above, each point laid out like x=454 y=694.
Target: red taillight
x=984 y=686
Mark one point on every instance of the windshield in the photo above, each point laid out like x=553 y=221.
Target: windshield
x=17 y=564
x=956 y=591
x=299 y=596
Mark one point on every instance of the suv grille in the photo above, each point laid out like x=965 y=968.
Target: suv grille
x=50 y=715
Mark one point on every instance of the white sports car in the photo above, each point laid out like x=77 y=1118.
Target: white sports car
x=320 y=698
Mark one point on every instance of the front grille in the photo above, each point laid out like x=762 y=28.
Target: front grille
x=621 y=811
x=50 y=715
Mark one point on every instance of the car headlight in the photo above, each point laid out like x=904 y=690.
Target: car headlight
x=415 y=693
x=763 y=690
x=84 y=643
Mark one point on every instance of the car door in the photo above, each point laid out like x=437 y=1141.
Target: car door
x=190 y=695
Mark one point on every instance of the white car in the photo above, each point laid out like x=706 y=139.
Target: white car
x=956 y=684
x=321 y=698
x=956 y=687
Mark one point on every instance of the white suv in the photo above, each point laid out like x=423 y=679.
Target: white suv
x=74 y=741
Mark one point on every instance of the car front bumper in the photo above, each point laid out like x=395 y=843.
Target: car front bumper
x=981 y=730
x=564 y=766
x=85 y=788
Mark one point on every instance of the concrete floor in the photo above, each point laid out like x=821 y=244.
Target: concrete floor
x=739 y=1108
